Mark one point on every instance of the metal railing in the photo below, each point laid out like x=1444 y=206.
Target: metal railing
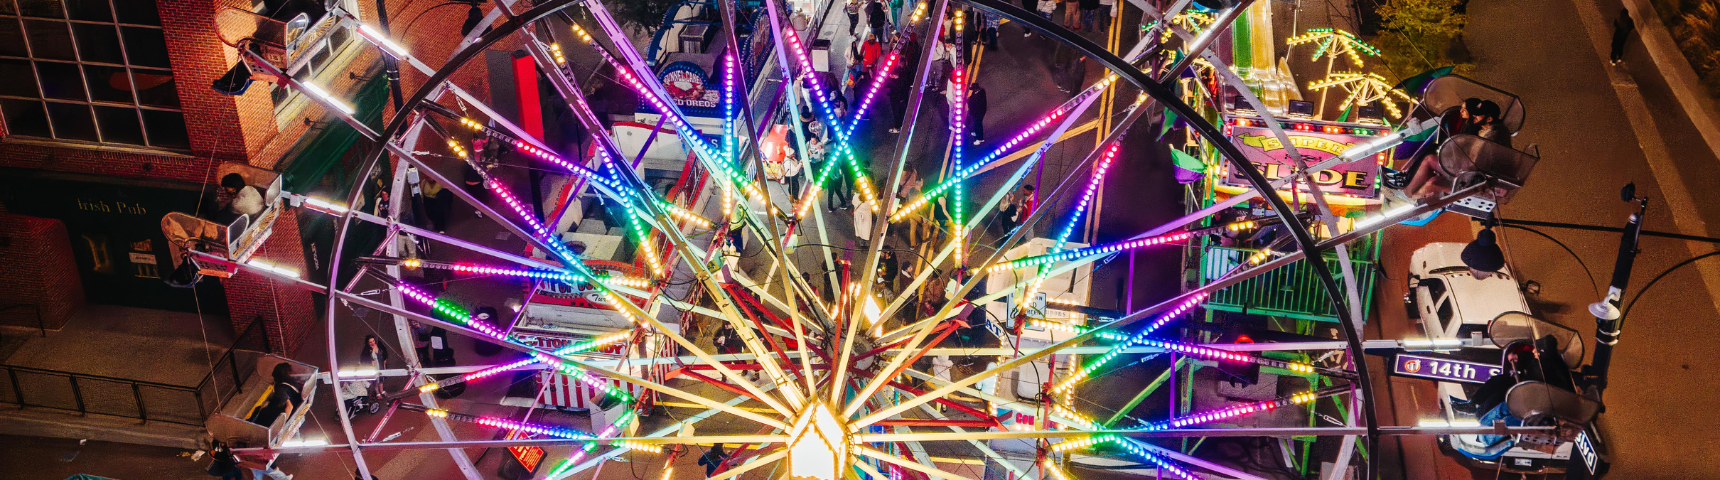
x=40 y=325
x=1292 y=291
x=144 y=400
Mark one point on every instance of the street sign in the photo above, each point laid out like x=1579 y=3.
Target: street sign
x=1354 y=181
x=1444 y=369
x=1586 y=450
x=528 y=456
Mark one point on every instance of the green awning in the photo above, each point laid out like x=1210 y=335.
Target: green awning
x=315 y=156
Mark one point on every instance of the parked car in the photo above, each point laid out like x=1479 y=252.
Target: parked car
x=1450 y=302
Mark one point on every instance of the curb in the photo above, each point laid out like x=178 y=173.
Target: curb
x=38 y=423
x=1676 y=70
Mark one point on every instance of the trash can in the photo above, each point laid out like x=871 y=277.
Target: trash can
x=821 y=55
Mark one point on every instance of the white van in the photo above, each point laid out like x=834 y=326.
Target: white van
x=1451 y=302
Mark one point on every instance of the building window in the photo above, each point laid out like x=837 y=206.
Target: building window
x=322 y=55
x=88 y=71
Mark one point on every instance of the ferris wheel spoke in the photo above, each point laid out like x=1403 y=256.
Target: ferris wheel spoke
x=922 y=73
x=750 y=465
x=889 y=458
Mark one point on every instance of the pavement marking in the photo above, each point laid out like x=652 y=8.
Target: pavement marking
x=1678 y=198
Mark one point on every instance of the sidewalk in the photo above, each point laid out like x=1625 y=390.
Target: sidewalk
x=1597 y=127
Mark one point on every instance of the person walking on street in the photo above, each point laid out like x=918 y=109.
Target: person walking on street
x=1071 y=19
x=1047 y=8
x=1107 y=11
x=875 y=18
x=1020 y=205
x=222 y=462
x=1031 y=6
x=988 y=34
x=374 y=357
x=976 y=106
x=888 y=269
x=1622 y=26
x=713 y=459
x=1089 y=12
x=863 y=218
x=837 y=189
x=852 y=8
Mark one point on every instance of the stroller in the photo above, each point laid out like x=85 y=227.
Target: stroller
x=358 y=397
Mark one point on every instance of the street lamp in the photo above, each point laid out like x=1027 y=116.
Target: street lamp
x=1483 y=253
x=1608 y=318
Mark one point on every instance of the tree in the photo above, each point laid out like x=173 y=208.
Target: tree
x=1415 y=34
x=640 y=16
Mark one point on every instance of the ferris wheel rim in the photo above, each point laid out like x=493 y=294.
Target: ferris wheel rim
x=515 y=23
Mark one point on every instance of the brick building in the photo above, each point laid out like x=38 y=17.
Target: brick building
x=108 y=122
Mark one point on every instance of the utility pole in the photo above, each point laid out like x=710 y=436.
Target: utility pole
x=390 y=66
x=1608 y=317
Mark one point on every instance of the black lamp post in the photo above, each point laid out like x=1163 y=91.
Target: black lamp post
x=1608 y=318
x=1483 y=253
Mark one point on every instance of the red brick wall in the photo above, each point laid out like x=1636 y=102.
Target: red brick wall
x=243 y=129
x=39 y=270
x=287 y=310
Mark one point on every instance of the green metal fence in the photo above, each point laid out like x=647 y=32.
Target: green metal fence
x=1291 y=291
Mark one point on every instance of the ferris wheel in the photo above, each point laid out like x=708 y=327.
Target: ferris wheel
x=833 y=369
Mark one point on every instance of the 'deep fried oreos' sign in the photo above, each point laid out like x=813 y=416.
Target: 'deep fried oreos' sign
x=691 y=89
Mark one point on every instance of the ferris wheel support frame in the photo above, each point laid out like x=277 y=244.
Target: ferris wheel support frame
x=517 y=22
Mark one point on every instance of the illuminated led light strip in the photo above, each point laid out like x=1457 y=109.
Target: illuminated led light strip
x=729 y=143
x=1105 y=162
x=306 y=85
x=570 y=370
x=326 y=205
x=485 y=373
x=519 y=208
x=557 y=275
x=272 y=268
x=1112 y=336
x=577 y=169
x=663 y=107
x=680 y=213
x=1075 y=217
x=1075 y=419
x=843 y=149
x=614 y=428
x=958 y=137
x=635 y=224
x=825 y=111
x=584 y=36
x=1001 y=149
x=459 y=151
x=1231 y=412
x=919 y=12
x=555 y=51
x=702 y=148
x=872 y=90
x=383 y=41
x=1056 y=474
x=493 y=422
x=448 y=309
x=1093 y=250
x=515 y=272
x=1140 y=338
x=1161 y=462
x=569 y=350
x=1080 y=442
x=580 y=170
